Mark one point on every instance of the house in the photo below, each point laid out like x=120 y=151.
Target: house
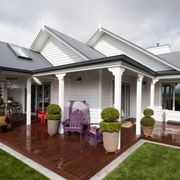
x=107 y=71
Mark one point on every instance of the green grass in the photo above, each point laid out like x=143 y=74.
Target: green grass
x=12 y=168
x=150 y=161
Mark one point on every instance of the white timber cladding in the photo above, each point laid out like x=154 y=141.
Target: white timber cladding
x=57 y=53
x=110 y=46
x=85 y=89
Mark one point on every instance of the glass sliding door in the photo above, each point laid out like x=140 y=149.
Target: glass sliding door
x=125 y=100
x=40 y=97
x=177 y=97
x=167 y=96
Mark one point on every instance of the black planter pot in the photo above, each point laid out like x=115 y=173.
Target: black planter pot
x=3 y=129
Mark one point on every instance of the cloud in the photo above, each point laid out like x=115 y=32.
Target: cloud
x=144 y=22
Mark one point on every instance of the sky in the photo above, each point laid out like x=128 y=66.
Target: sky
x=143 y=22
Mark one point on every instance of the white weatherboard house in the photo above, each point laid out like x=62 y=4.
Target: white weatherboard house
x=107 y=71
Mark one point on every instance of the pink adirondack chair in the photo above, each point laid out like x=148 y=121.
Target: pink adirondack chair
x=75 y=123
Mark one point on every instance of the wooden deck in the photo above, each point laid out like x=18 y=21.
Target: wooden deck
x=167 y=133
x=68 y=156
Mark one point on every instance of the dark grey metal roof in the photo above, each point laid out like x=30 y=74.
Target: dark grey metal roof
x=8 y=59
x=82 y=48
x=171 y=58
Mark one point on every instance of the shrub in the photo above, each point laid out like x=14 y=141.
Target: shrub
x=110 y=114
x=147 y=121
x=53 y=112
x=148 y=112
x=1 y=100
x=110 y=121
x=110 y=126
x=2 y=113
x=3 y=123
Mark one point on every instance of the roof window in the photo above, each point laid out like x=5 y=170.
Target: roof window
x=19 y=51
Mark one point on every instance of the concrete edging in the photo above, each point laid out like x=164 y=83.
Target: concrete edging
x=43 y=170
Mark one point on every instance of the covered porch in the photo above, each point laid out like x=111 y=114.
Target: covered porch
x=66 y=155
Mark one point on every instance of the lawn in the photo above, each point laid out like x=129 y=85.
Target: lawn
x=12 y=168
x=150 y=161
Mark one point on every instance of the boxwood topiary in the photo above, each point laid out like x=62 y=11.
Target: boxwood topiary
x=148 y=112
x=110 y=114
x=147 y=121
x=2 y=112
x=1 y=101
x=53 y=112
x=110 y=121
x=110 y=126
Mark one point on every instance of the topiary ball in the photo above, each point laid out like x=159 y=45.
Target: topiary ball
x=110 y=114
x=148 y=112
x=110 y=126
x=53 y=112
x=54 y=109
x=2 y=112
x=147 y=121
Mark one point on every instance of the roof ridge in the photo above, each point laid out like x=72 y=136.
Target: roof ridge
x=82 y=48
x=135 y=46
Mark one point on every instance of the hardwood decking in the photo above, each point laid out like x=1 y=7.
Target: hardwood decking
x=68 y=156
x=167 y=133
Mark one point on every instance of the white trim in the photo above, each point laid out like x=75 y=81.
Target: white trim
x=37 y=38
x=169 y=77
x=116 y=162
x=130 y=44
x=92 y=67
x=61 y=98
x=138 y=103
x=100 y=93
x=28 y=102
x=43 y=170
x=152 y=91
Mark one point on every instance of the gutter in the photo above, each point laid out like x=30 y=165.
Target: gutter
x=16 y=70
x=117 y=58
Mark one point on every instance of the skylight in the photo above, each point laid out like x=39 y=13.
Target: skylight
x=19 y=51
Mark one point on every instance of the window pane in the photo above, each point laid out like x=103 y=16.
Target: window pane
x=167 y=96
x=177 y=97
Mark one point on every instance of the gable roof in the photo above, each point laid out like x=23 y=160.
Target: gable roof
x=102 y=30
x=8 y=59
x=173 y=58
x=82 y=48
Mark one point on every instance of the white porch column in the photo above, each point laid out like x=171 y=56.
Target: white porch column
x=117 y=72
x=61 y=98
x=28 y=102
x=138 y=103
x=152 y=91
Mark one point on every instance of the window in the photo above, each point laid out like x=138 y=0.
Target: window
x=171 y=96
x=19 y=51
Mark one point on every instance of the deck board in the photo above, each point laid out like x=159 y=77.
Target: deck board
x=66 y=155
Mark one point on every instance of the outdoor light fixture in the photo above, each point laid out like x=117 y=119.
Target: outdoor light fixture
x=37 y=80
x=78 y=79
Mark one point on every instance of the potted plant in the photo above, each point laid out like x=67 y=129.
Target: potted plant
x=1 y=101
x=2 y=116
x=147 y=122
x=53 y=117
x=110 y=127
x=3 y=127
